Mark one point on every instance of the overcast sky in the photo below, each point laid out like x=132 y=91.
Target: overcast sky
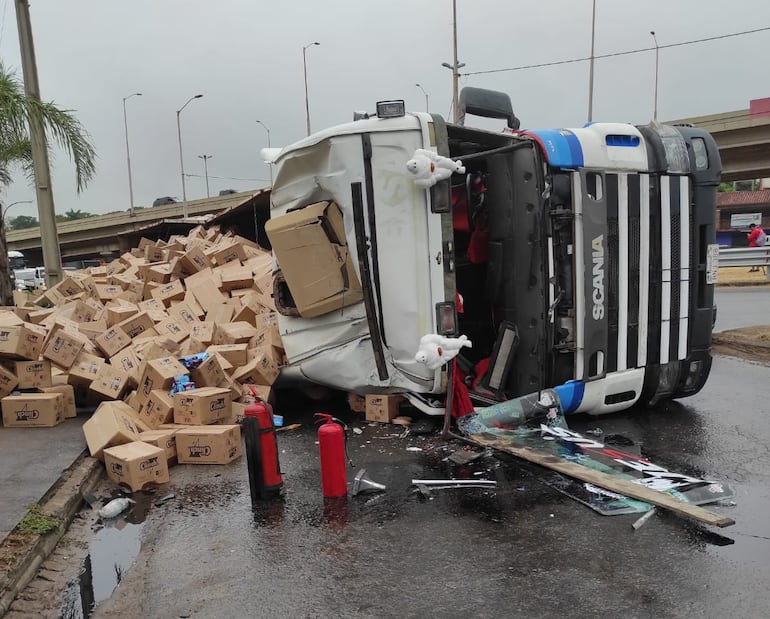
x=245 y=57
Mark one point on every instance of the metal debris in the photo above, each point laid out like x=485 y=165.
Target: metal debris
x=464 y=456
x=165 y=499
x=643 y=520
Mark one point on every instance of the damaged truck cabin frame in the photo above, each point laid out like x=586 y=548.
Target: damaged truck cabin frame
x=582 y=255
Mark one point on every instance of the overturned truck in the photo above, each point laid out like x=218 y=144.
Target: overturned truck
x=583 y=255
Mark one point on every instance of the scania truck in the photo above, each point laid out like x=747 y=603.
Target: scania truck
x=582 y=255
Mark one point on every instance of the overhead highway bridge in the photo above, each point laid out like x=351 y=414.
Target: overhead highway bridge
x=108 y=236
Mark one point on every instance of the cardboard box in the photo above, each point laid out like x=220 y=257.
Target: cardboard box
x=261 y=370
x=357 y=403
x=165 y=439
x=67 y=392
x=237 y=277
x=173 y=328
x=210 y=373
x=8 y=381
x=20 y=342
x=203 y=332
x=112 y=341
x=64 y=347
x=229 y=252
x=202 y=406
x=33 y=374
x=208 y=444
x=311 y=248
x=159 y=409
x=110 y=382
x=236 y=414
x=111 y=424
x=118 y=313
x=136 y=465
x=137 y=324
x=84 y=369
x=159 y=374
x=32 y=410
x=169 y=292
x=207 y=294
x=382 y=408
x=127 y=361
x=234 y=333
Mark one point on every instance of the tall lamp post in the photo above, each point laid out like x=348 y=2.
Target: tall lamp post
x=427 y=108
x=591 y=66
x=657 y=52
x=304 y=67
x=455 y=66
x=128 y=155
x=181 y=159
x=206 y=171
x=266 y=128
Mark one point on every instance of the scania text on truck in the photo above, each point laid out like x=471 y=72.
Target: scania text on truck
x=583 y=254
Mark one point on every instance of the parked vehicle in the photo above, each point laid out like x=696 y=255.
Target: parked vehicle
x=163 y=201
x=30 y=278
x=582 y=254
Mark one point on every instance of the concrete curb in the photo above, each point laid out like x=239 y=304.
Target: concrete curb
x=63 y=499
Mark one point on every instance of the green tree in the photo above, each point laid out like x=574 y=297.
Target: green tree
x=73 y=214
x=61 y=128
x=23 y=221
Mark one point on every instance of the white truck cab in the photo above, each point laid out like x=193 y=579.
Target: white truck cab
x=575 y=255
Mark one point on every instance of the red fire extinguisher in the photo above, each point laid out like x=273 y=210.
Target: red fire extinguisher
x=331 y=444
x=265 y=479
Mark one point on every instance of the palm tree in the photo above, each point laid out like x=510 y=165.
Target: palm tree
x=60 y=126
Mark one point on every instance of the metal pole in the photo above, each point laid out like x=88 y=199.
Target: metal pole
x=427 y=108
x=591 y=69
x=657 y=51
x=304 y=68
x=206 y=171
x=455 y=67
x=49 y=238
x=269 y=146
x=128 y=155
x=181 y=158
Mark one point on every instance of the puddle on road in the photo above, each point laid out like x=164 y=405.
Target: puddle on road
x=112 y=551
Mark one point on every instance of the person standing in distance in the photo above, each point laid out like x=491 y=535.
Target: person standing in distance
x=756 y=239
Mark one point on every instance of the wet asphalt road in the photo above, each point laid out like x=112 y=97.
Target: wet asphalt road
x=523 y=550
x=742 y=306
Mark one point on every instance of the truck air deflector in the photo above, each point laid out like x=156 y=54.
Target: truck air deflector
x=561 y=148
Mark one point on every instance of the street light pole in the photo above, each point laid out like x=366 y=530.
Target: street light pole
x=427 y=109
x=181 y=159
x=657 y=52
x=304 y=67
x=269 y=146
x=591 y=69
x=49 y=238
x=455 y=66
x=206 y=171
x=128 y=155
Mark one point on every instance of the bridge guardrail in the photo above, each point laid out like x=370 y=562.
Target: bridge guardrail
x=745 y=257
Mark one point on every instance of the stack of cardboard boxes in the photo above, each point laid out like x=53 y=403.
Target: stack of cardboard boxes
x=115 y=335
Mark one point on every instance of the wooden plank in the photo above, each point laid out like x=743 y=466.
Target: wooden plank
x=615 y=484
